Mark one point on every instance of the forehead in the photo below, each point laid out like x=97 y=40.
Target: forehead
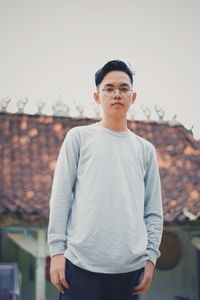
x=116 y=78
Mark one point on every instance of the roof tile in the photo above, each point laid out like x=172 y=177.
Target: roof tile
x=29 y=147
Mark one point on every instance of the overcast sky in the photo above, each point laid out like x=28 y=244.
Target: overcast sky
x=51 y=48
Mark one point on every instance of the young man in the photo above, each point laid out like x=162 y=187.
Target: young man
x=106 y=215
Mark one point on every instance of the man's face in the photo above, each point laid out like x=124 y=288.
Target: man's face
x=115 y=80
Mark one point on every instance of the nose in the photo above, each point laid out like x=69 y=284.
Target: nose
x=117 y=92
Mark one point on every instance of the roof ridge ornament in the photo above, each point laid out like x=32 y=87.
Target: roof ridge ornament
x=160 y=112
x=4 y=104
x=79 y=108
x=132 y=113
x=191 y=128
x=147 y=112
x=40 y=106
x=60 y=108
x=97 y=110
x=174 y=121
x=21 y=104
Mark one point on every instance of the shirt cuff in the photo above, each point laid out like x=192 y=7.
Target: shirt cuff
x=56 y=248
x=153 y=255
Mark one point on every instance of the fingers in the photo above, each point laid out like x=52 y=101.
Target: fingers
x=144 y=286
x=59 y=282
x=63 y=280
x=59 y=287
x=56 y=282
x=57 y=273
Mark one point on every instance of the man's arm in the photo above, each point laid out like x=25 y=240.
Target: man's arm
x=153 y=217
x=153 y=209
x=64 y=181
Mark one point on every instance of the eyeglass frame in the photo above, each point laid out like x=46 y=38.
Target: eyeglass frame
x=114 y=89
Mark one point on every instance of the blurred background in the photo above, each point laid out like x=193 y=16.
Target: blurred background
x=49 y=53
x=50 y=50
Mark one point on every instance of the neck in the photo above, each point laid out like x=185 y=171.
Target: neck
x=119 y=125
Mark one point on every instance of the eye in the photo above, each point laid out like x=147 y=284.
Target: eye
x=124 y=90
x=109 y=90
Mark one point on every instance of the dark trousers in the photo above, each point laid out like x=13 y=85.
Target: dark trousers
x=87 y=285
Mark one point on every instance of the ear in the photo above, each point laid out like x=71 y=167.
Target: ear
x=133 y=97
x=96 y=97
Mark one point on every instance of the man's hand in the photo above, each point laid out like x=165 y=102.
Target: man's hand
x=57 y=272
x=145 y=284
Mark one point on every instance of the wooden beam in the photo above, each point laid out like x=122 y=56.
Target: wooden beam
x=26 y=242
x=23 y=220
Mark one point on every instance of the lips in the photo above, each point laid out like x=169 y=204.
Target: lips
x=117 y=103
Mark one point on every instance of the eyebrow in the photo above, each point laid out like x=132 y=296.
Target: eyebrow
x=122 y=84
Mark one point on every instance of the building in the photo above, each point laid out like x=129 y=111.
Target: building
x=29 y=146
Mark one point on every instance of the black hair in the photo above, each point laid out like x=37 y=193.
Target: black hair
x=113 y=65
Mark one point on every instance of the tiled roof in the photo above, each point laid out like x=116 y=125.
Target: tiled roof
x=29 y=146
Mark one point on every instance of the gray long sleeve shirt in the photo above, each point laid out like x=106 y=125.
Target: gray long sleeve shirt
x=106 y=211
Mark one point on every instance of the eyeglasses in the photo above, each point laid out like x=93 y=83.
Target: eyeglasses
x=109 y=91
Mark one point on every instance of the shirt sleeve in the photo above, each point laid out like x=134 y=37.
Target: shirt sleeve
x=153 y=209
x=63 y=185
